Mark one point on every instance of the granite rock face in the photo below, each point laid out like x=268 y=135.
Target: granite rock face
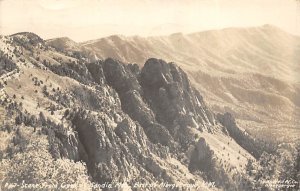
x=126 y=83
x=170 y=94
x=158 y=107
x=159 y=97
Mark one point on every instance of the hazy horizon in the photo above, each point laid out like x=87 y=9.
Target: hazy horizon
x=82 y=21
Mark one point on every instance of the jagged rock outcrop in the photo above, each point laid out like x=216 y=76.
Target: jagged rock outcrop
x=97 y=72
x=164 y=109
x=125 y=82
x=254 y=146
x=202 y=157
x=247 y=142
x=170 y=94
x=158 y=95
x=110 y=150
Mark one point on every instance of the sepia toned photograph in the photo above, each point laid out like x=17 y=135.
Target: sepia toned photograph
x=149 y=95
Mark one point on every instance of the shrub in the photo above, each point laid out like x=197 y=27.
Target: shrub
x=37 y=167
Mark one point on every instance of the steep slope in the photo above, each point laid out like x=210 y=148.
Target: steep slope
x=127 y=125
x=250 y=72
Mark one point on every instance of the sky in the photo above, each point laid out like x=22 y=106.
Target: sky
x=83 y=20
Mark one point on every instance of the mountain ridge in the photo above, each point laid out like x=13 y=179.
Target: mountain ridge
x=265 y=59
x=266 y=26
